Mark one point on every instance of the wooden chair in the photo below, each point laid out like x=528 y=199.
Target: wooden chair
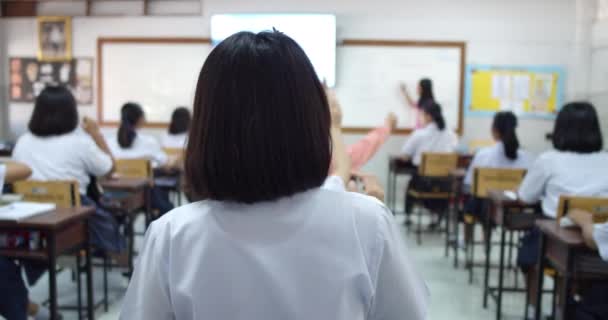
x=432 y=184
x=64 y=194
x=597 y=206
x=134 y=168
x=484 y=180
x=171 y=180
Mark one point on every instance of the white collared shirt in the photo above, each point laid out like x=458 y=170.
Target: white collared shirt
x=429 y=139
x=174 y=141
x=494 y=157
x=143 y=147
x=70 y=156
x=320 y=254
x=600 y=235
x=557 y=173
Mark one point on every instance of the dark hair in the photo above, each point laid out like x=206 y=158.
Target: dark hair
x=54 y=112
x=577 y=129
x=180 y=121
x=130 y=114
x=434 y=111
x=261 y=123
x=505 y=124
x=426 y=94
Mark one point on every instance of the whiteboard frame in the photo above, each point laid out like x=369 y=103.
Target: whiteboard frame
x=103 y=41
x=460 y=45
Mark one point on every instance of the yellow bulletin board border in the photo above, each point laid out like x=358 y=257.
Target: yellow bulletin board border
x=480 y=98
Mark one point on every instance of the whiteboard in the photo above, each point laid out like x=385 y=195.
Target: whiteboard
x=369 y=78
x=158 y=74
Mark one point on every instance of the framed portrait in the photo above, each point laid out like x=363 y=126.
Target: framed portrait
x=54 y=38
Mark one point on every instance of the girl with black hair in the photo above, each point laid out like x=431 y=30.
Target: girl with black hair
x=177 y=133
x=425 y=98
x=506 y=153
x=131 y=144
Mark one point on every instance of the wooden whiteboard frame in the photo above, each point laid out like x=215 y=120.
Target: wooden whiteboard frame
x=460 y=45
x=103 y=41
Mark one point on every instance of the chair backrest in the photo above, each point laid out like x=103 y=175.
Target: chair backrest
x=64 y=194
x=437 y=164
x=486 y=179
x=597 y=206
x=134 y=168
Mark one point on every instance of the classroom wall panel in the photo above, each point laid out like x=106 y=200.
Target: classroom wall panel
x=599 y=74
x=3 y=83
x=518 y=32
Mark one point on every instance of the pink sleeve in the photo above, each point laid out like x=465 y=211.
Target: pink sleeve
x=366 y=148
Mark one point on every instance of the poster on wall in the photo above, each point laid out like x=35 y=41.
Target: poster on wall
x=54 y=38
x=29 y=76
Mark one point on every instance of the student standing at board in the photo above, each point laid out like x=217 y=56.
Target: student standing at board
x=266 y=241
x=425 y=97
x=132 y=144
x=177 y=134
x=577 y=167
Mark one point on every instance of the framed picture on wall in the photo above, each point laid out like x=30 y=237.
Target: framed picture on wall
x=54 y=38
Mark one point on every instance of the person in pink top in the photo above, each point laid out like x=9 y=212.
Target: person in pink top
x=426 y=97
x=363 y=150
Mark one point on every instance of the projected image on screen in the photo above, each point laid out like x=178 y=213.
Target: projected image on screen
x=315 y=33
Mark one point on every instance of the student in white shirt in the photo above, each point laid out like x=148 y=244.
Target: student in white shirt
x=264 y=241
x=433 y=137
x=132 y=144
x=177 y=134
x=577 y=166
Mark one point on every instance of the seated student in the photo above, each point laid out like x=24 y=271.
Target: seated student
x=433 y=137
x=55 y=148
x=177 y=134
x=506 y=154
x=576 y=167
x=265 y=241
x=131 y=144
x=363 y=150
x=593 y=304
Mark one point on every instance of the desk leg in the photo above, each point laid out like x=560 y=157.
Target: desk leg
x=89 y=272
x=393 y=184
x=456 y=227
x=501 y=267
x=131 y=248
x=540 y=279
x=488 y=251
x=148 y=213
x=52 y=252
x=448 y=233
x=564 y=292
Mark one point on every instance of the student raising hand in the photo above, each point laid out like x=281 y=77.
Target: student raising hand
x=334 y=106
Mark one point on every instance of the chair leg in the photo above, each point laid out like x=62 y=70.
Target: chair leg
x=419 y=225
x=105 y=283
x=447 y=233
x=471 y=248
x=78 y=287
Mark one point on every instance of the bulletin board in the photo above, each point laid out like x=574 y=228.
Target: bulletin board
x=527 y=91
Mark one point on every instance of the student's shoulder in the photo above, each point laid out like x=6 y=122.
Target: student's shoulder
x=365 y=210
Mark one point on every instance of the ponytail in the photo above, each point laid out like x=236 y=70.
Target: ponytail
x=131 y=113
x=505 y=124
x=434 y=111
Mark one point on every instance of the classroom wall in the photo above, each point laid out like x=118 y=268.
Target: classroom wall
x=3 y=83
x=599 y=75
x=514 y=32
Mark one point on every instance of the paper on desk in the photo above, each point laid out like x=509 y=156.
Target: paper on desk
x=22 y=210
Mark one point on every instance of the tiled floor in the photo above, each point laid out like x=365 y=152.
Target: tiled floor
x=452 y=297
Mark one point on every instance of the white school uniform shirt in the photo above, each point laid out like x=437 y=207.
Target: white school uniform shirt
x=557 y=173
x=600 y=235
x=429 y=139
x=494 y=157
x=174 y=141
x=143 y=147
x=321 y=254
x=70 y=156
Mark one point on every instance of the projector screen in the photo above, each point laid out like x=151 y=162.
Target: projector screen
x=315 y=33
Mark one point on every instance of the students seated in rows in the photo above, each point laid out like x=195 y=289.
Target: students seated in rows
x=177 y=134
x=265 y=241
x=56 y=148
x=433 y=137
x=132 y=144
x=577 y=166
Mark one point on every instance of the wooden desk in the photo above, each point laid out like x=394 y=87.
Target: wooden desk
x=65 y=231
x=510 y=214
x=127 y=196
x=396 y=167
x=456 y=207
x=564 y=250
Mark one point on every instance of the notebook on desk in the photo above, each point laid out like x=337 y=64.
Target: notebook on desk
x=18 y=211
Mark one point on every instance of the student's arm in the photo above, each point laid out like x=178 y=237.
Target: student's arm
x=362 y=151
x=406 y=94
x=148 y=295
x=533 y=186
x=400 y=292
x=98 y=163
x=16 y=171
x=341 y=164
x=411 y=146
x=584 y=220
